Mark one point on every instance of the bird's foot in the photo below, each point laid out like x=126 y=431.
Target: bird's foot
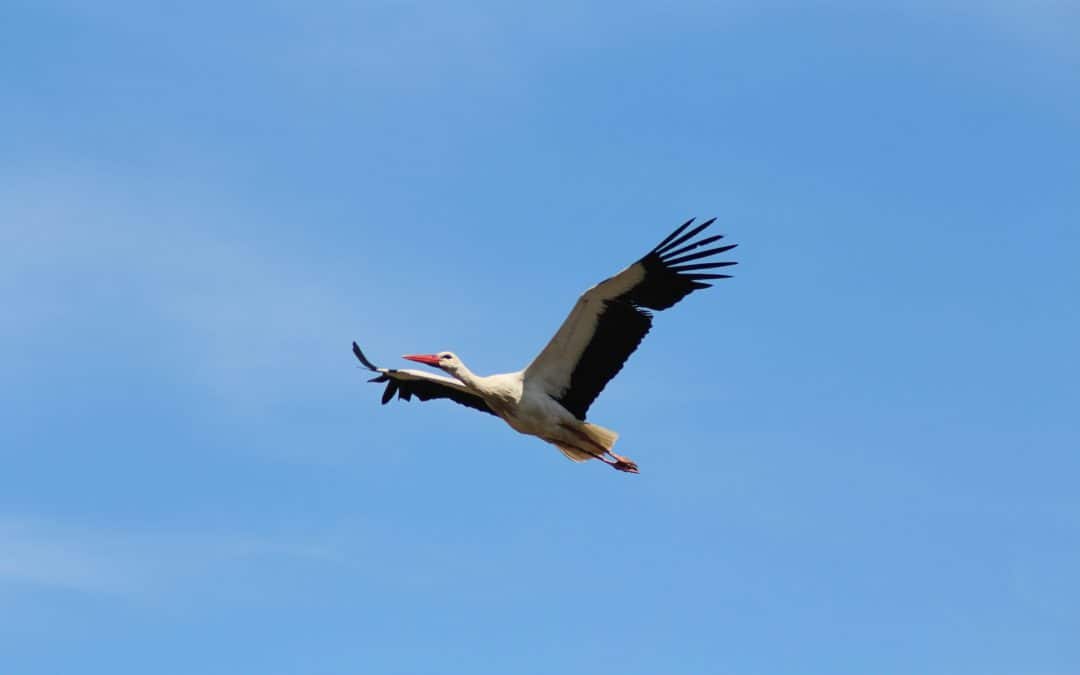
x=624 y=464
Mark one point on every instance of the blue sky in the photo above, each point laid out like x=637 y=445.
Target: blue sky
x=859 y=455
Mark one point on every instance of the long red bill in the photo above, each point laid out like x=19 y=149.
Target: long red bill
x=427 y=359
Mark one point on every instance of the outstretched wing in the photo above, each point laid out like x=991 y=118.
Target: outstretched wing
x=610 y=319
x=424 y=386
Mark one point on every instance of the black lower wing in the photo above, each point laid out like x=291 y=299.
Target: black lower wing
x=407 y=386
x=624 y=320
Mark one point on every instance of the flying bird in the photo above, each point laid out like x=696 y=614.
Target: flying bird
x=551 y=396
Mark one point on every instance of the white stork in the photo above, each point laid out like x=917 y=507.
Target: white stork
x=550 y=397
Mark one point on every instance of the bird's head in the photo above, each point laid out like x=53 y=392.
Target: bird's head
x=446 y=361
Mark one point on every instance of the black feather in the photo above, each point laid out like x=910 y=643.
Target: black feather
x=699 y=266
x=697 y=277
x=686 y=236
x=619 y=330
x=700 y=254
x=672 y=236
x=625 y=320
x=363 y=359
x=697 y=244
x=424 y=390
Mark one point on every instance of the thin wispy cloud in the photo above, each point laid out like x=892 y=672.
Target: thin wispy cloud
x=43 y=553
x=225 y=315
x=156 y=562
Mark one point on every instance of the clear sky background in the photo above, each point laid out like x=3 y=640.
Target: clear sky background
x=860 y=455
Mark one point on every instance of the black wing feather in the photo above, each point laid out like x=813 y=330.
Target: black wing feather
x=425 y=390
x=672 y=235
x=625 y=320
x=363 y=359
x=620 y=330
x=696 y=244
x=700 y=254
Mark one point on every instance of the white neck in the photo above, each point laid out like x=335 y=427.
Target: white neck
x=468 y=378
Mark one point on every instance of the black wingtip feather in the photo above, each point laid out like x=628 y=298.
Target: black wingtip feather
x=672 y=236
x=694 y=256
x=691 y=247
x=699 y=266
x=664 y=249
x=363 y=359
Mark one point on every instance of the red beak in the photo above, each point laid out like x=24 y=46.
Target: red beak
x=427 y=359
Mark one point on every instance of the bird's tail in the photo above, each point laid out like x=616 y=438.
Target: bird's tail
x=605 y=438
x=573 y=454
x=595 y=441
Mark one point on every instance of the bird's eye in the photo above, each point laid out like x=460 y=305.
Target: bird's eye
x=444 y=356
